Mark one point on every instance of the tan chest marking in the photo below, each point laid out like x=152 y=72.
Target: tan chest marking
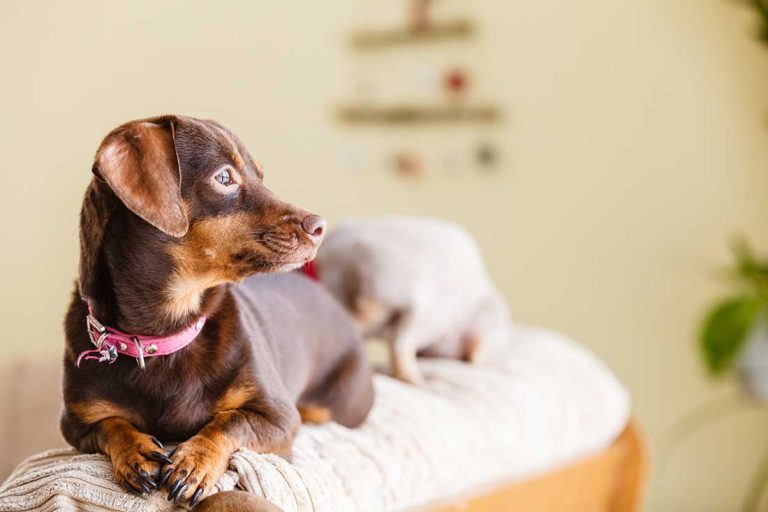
x=185 y=293
x=204 y=260
x=93 y=411
x=235 y=397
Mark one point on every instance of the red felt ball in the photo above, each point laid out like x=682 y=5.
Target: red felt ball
x=456 y=81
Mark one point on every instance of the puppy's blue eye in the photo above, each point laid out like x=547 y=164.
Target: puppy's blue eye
x=224 y=178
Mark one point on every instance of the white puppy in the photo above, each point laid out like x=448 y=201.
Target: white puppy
x=418 y=283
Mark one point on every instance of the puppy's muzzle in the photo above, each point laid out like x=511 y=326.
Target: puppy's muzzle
x=314 y=227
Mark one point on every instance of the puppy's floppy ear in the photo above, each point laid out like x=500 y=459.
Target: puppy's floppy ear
x=139 y=162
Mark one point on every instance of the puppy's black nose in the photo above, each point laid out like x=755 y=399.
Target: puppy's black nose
x=314 y=226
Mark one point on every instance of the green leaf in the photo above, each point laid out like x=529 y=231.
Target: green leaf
x=725 y=330
x=762 y=9
x=748 y=267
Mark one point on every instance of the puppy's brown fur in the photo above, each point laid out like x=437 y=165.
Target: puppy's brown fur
x=162 y=239
x=237 y=501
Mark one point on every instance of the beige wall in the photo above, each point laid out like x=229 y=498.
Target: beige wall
x=635 y=145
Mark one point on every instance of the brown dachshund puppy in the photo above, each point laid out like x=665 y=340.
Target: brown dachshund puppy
x=175 y=213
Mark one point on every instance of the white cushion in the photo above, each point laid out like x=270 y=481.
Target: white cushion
x=538 y=403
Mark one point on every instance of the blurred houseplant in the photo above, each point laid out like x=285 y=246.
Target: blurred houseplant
x=734 y=336
x=735 y=332
x=762 y=8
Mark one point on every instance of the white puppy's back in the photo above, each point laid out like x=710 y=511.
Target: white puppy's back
x=431 y=269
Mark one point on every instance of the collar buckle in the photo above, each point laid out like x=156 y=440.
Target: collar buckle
x=94 y=325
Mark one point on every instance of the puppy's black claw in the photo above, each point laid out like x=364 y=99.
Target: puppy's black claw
x=164 y=477
x=196 y=497
x=174 y=488
x=161 y=457
x=147 y=479
x=131 y=489
x=144 y=487
x=157 y=442
x=179 y=494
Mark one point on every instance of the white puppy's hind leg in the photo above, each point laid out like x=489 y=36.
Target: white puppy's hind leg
x=404 y=365
x=403 y=347
x=472 y=344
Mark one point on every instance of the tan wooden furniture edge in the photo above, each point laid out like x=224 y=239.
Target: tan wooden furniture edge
x=611 y=481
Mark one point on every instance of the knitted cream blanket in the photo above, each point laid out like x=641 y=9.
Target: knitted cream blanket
x=538 y=403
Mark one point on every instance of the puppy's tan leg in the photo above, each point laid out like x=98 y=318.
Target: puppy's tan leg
x=403 y=362
x=403 y=345
x=471 y=344
x=136 y=457
x=369 y=313
x=346 y=395
x=311 y=413
x=101 y=426
x=198 y=463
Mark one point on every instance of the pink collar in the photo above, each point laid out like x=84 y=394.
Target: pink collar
x=110 y=342
x=310 y=270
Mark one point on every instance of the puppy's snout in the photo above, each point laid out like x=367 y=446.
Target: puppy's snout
x=315 y=226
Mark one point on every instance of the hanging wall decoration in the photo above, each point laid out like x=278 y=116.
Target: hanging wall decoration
x=456 y=82
x=408 y=164
x=420 y=15
x=486 y=155
x=429 y=95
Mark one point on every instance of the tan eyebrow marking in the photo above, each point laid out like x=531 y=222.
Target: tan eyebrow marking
x=203 y=261
x=234 y=152
x=257 y=167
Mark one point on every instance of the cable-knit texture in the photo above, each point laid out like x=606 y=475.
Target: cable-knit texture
x=536 y=404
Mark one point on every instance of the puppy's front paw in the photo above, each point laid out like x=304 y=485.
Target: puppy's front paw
x=137 y=460
x=196 y=466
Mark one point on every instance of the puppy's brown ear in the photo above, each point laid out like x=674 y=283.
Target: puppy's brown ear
x=139 y=162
